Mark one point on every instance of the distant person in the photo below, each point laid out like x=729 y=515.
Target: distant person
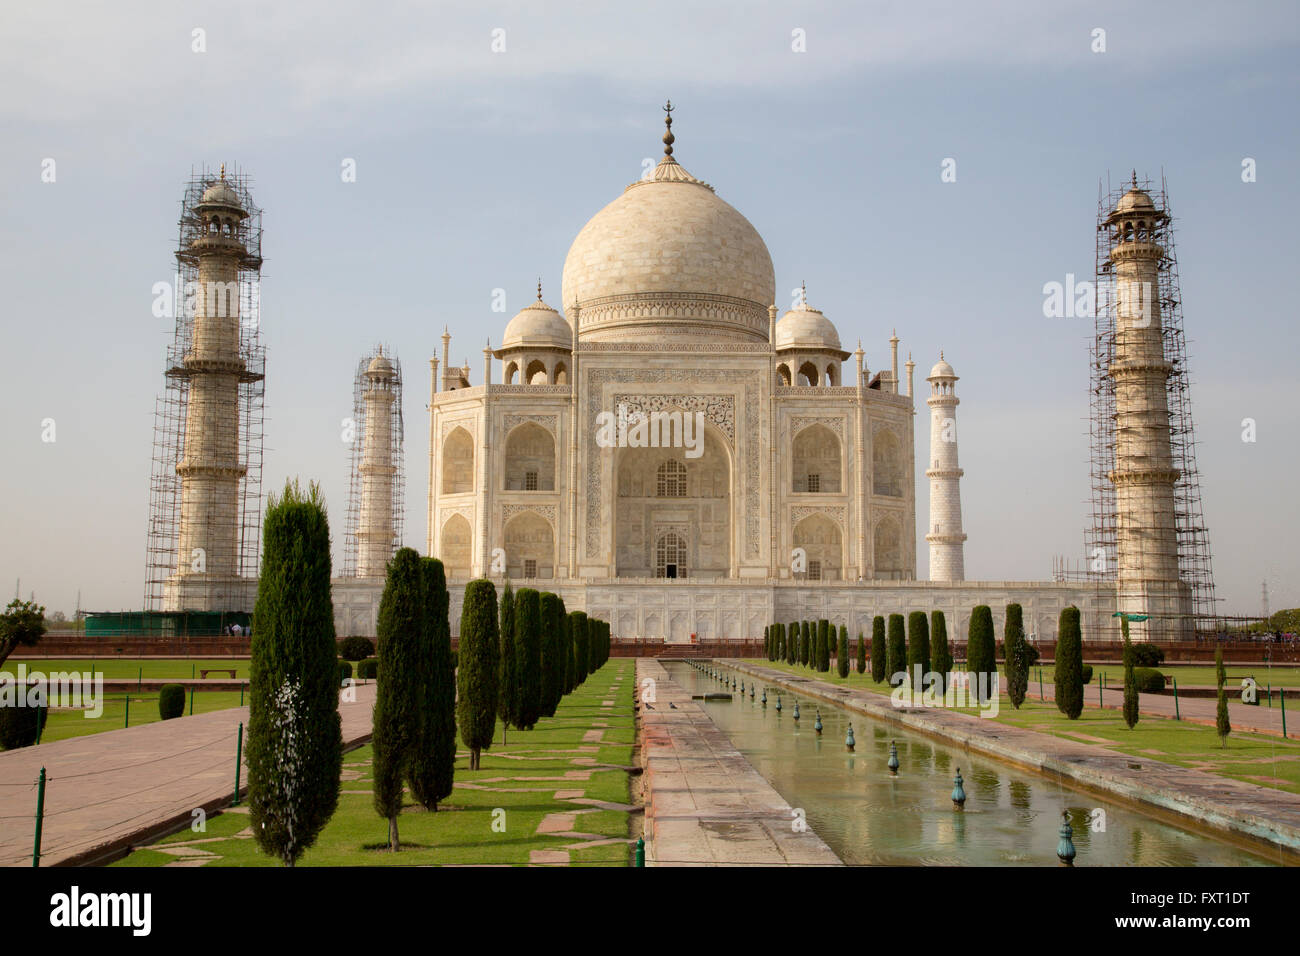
x=236 y=630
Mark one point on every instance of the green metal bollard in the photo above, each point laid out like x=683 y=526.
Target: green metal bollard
x=40 y=818
x=241 y=695
x=1177 y=715
x=191 y=701
x=640 y=851
x=193 y=670
x=1270 y=694
x=139 y=680
x=127 y=722
x=1040 y=685
x=1100 y=687
x=239 y=758
x=1281 y=699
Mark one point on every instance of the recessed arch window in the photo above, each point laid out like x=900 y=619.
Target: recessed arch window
x=671 y=480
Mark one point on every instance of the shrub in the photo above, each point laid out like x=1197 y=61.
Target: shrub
x=842 y=653
x=1068 y=678
x=356 y=648
x=1149 y=680
x=861 y=662
x=21 y=726
x=171 y=701
x=293 y=691
x=1148 y=655
x=345 y=672
x=477 y=679
x=368 y=669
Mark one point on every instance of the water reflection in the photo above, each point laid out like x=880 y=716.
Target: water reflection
x=869 y=816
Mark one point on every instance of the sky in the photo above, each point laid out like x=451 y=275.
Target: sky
x=484 y=135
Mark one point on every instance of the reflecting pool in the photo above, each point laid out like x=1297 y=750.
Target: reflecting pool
x=869 y=816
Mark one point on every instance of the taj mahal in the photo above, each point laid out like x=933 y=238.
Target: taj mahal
x=760 y=471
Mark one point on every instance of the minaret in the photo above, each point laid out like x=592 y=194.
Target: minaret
x=376 y=531
x=893 y=360
x=947 y=540
x=209 y=466
x=1144 y=473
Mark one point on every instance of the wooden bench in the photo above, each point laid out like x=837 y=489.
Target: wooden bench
x=217 y=670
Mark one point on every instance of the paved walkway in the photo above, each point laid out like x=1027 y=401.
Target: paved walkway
x=109 y=790
x=705 y=805
x=1247 y=810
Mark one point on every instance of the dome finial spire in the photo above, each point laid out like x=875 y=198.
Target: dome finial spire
x=1135 y=179
x=539 y=288
x=669 y=138
x=803 y=293
x=223 y=172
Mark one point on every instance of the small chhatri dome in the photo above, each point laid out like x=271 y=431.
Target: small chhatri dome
x=539 y=326
x=1136 y=199
x=942 y=369
x=379 y=365
x=807 y=328
x=220 y=193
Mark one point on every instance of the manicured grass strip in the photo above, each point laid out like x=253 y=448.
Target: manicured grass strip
x=69 y=722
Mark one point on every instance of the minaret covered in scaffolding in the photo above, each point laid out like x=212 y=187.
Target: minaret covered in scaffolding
x=375 y=504
x=1148 y=525
x=205 y=492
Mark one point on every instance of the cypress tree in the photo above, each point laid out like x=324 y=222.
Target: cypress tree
x=580 y=658
x=570 y=670
x=400 y=694
x=792 y=644
x=294 y=688
x=551 y=665
x=1130 y=681
x=879 y=671
x=434 y=767
x=1222 y=726
x=981 y=650
x=1068 y=676
x=824 y=639
x=862 y=654
x=940 y=652
x=507 y=676
x=842 y=653
x=528 y=658
x=896 y=649
x=1015 y=655
x=805 y=639
x=918 y=646
x=767 y=642
x=477 y=676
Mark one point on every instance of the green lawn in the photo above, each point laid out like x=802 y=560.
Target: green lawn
x=129 y=668
x=1253 y=758
x=519 y=778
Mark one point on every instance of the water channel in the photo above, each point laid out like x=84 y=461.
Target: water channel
x=869 y=816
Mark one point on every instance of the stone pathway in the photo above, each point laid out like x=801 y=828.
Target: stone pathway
x=705 y=804
x=110 y=790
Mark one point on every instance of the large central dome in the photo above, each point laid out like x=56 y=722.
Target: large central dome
x=669 y=258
